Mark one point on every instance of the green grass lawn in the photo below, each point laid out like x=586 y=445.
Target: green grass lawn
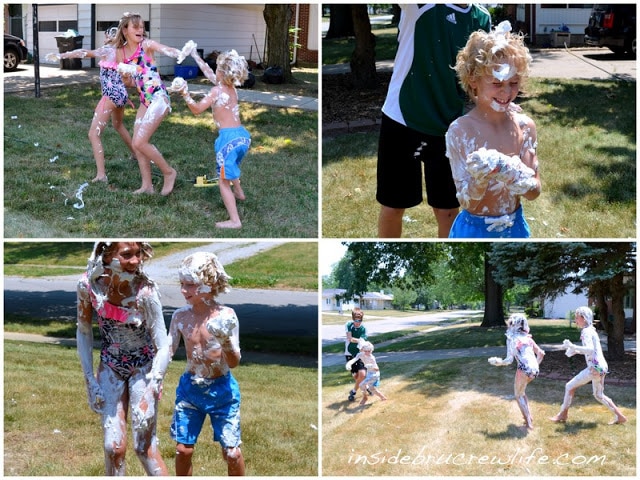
x=587 y=154
x=49 y=429
x=47 y=158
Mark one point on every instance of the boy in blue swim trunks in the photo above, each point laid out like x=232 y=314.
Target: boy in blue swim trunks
x=233 y=140
x=207 y=387
x=492 y=149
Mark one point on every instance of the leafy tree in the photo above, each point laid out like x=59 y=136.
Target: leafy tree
x=392 y=263
x=417 y=264
x=551 y=269
x=403 y=297
x=467 y=258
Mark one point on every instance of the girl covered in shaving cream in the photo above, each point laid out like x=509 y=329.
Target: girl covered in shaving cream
x=523 y=349
x=134 y=355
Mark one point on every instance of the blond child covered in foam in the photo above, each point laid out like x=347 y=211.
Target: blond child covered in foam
x=207 y=388
x=492 y=149
x=233 y=139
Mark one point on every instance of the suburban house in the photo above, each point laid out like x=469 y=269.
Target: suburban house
x=212 y=26
x=332 y=301
x=552 y=24
x=563 y=305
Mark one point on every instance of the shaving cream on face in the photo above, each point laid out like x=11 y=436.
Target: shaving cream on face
x=498 y=107
x=504 y=72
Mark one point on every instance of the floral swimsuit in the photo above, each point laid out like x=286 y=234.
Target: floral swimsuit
x=147 y=78
x=112 y=85
x=126 y=342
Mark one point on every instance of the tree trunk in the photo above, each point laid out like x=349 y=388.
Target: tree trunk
x=363 y=58
x=277 y=18
x=599 y=292
x=615 y=338
x=493 y=294
x=340 y=21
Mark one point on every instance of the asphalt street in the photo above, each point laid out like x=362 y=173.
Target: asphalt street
x=275 y=312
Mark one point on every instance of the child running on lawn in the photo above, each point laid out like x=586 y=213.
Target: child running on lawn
x=207 y=387
x=595 y=371
x=114 y=99
x=233 y=140
x=492 y=149
x=525 y=351
x=372 y=378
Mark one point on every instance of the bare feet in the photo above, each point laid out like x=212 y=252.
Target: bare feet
x=620 y=419
x=144 y=190
x=100 y=179
x=169 y=182
x=229 y=224
x=559 y=418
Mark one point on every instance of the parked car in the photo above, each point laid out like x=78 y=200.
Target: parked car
x=613 y=26
x=15 y=52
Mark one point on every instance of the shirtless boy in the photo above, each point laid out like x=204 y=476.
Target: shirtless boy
x=210 y=334
x=492 y=149
x=233 y=140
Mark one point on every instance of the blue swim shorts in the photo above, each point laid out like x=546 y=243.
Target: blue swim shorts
x=231 y=146
x=467 y=225
x=219 y=398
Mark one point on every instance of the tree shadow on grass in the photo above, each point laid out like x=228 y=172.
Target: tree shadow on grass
x=608 y=105
x=616 y=178
x=590 y=103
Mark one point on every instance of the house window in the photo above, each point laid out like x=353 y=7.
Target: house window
x=57 y=26
x=64 y=25
x=103 y=26
x=48 y=26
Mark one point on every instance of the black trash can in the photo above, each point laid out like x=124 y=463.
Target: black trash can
x=68 y=44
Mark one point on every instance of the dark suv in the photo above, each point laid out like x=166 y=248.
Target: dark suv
x=613 y=26
x=15 y=52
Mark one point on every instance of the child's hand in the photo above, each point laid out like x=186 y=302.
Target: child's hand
x=52 y=57
x=179 y=85
x=95 y=396
x=188 y=49
x=222 y=328
x=495 y=361
x=569 y=347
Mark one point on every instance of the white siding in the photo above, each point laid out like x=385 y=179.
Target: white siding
x=562 y=305
x=549 y=19
x=212 y=26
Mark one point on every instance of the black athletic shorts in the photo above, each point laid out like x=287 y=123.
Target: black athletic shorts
x=355 y=366
x=401 y=153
